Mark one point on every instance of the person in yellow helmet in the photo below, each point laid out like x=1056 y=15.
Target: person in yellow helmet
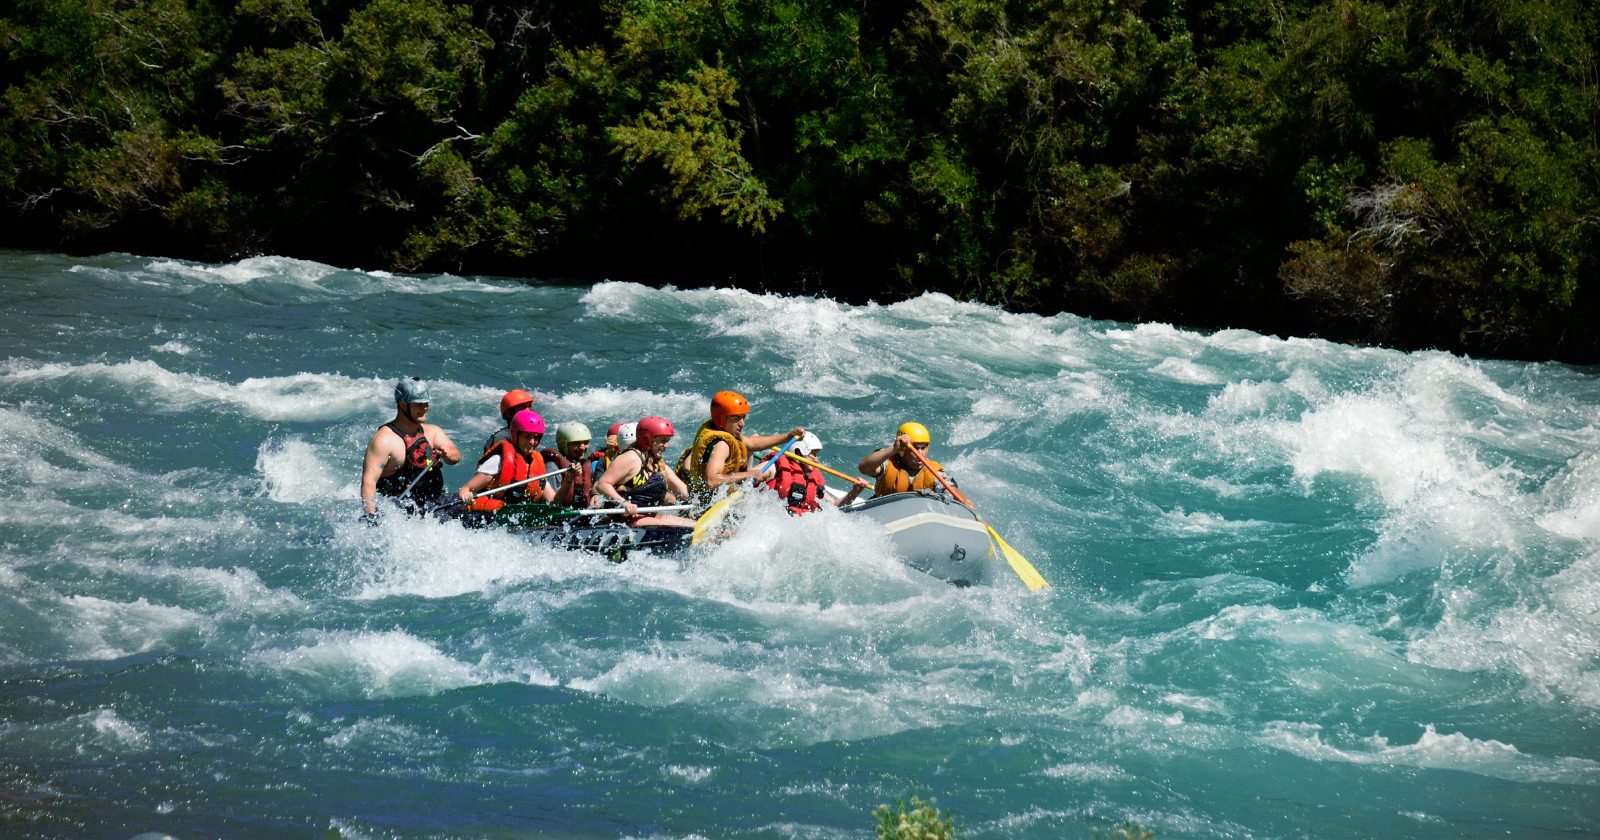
x=896 y=469
x=720 y=453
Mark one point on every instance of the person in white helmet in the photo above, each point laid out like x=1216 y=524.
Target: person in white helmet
x=801 y=485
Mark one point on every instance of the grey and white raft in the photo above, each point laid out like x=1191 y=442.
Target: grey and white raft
x=935 y=534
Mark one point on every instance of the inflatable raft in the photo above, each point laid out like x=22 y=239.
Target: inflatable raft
x=560 y=527
x=937 y=535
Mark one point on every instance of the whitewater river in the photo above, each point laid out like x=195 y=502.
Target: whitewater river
x=1299 y=589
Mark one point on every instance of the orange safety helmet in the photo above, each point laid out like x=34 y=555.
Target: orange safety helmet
x=725 y=404
x=514 y=400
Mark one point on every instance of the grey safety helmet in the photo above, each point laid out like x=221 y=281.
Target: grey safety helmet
x=410 y=389
x=568 y=432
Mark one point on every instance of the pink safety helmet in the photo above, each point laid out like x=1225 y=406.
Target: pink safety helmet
x=527 y=421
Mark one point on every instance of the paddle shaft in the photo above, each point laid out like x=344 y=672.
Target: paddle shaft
x=612 y=511
x=426 y=468
x=954 y=493
x=1019 y=564
x=518 y=483
x=827 y=469
x=782 y=450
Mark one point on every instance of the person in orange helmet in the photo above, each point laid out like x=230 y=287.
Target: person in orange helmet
x=514 y=401
x=899 y=471
x=721 y=450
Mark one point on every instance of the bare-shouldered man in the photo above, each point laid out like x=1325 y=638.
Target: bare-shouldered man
x=402 y=460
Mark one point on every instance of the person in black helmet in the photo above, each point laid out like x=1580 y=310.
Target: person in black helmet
x=404 y=456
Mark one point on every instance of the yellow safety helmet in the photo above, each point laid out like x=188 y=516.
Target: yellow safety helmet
x=916 y=431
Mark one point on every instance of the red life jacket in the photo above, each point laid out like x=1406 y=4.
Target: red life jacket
x=513 y=468
x=799 y=485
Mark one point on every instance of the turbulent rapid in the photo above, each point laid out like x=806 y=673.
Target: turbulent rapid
x=1297 y=588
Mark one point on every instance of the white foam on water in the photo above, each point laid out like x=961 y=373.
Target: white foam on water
x=295 y=472
x=1550 y=635
x=99 y=628
x=1088 y=772
x=1433 y=750
x=301 y=396
x=384 y=735
x=810 y=711
x=425 y=558
x=1198 y=523
x=1187 y=371
x=323 y=280
x=599 y=407
x=368 y=664
x=1571 y=498
x=213 y=592
x=175 y=347
x=821 y=558
x=687 y=773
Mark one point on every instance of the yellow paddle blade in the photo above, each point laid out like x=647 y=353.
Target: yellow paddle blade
x=1019 y=564
x=709 y=522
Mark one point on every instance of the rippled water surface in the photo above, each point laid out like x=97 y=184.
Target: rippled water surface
x=1299 y=589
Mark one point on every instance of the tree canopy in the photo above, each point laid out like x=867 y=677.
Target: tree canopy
x=1411 y=172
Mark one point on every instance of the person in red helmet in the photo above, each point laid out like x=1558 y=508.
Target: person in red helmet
x=508 y=463
x=638 y=476
x=514 y=401
x=721 y=450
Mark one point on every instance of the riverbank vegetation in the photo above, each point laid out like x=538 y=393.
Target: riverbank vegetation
x=1412 y=172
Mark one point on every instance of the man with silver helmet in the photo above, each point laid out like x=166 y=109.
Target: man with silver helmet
x=406 y=454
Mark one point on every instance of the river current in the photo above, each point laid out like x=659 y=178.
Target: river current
x=1299 y=589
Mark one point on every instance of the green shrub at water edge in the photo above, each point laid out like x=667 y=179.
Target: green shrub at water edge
x=917 y=820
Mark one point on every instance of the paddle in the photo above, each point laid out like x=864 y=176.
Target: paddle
x=712 y=518
x=505 y=487
x=1019 y=564
x=613 y=511
x=829 y=470
x=433 y=461
x=782 y=450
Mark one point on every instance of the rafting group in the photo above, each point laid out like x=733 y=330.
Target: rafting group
x=630 y=485
x=404 y=457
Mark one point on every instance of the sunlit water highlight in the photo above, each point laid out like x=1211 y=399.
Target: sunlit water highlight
x=1300 y=589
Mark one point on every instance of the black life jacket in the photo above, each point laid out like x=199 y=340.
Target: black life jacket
x=645 y=490
x=418 y=453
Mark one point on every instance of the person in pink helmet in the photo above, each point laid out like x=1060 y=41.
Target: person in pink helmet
x=639 y=477
x=510 y=462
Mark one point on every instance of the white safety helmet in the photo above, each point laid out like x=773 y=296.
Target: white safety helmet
x=627 y=433
x=808 y=446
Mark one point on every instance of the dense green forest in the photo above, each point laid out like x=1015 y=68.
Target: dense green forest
x=1413 y=172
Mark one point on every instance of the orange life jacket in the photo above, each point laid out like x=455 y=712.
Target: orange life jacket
x=691 y=467
x=893 y=479
x=513 y=468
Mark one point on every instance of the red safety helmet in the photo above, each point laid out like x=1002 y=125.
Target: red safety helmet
x=513 y=400
x=727 y=403
x=612 y=432
x=650 y=428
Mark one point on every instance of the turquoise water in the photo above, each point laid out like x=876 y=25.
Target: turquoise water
x=1299 y=589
